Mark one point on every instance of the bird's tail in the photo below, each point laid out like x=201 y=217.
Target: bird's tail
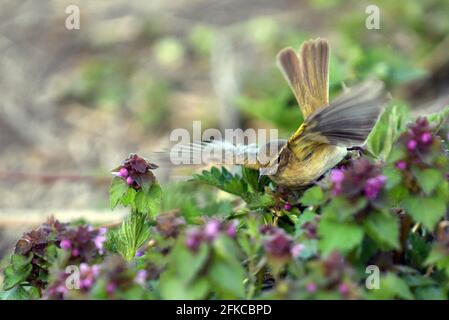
x=212 y=152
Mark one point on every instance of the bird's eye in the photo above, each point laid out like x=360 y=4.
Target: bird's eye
x=307 y=157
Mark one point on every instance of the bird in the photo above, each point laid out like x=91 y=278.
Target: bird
x=322 y=140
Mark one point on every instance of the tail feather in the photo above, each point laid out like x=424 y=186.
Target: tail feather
x=213 y=152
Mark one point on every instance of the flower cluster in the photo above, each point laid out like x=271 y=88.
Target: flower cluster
x=419 y=142
x=84 y=243
x=418 y=137
x=332 y=274
x=361 y=177
x=209 y=232
x=278 y=244
x=37 y=243
x=136 y=171
x=107 y=278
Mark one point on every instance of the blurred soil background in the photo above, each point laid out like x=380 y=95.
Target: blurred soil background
x=75 y=103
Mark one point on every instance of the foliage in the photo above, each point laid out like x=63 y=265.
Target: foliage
x=385 y=207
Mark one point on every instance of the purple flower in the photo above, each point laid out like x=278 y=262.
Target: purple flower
x=99 y=241
x=297 y=249
x=411 y=145
x=231 y=230
x=141 y=277
x=287 y=206
x=337 y=176
x=401 y=165
x=373 y=186
x=343 y=288
x=110 y=288
x=194 y=238
x=65 y=244
x=212 y=229
x=129 y=181
x=86 y=283
x=311 y=287
x=139 y=253
x=279 y=244
x=75 y=252
x=95 y=270
x=84 y=268
x=123 y=173
x=426 y=137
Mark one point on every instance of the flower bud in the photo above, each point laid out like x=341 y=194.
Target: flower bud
x=65 y=244
x=123 y=173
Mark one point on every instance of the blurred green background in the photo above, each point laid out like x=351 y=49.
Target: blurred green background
x=74 y=103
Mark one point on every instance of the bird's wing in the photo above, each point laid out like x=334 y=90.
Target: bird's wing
x=307 y=74
x=348 y=120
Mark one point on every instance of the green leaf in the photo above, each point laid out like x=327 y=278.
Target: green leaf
x=186 y=263
x=338 y=236
x=13 y=278
x=383 y=228
x=427 y=211
x=439 y=118
x=128 y=197
x=342 y=209
x=391 y=287
x=430 y=293
x=148 y=201
x=428 y=179
x=313 y=196
x=16 y=293
x=20 y=262
x=387 y=129
x=440 y=258
x=223 y=180
x=228 y=278
x=116 y=191
x=155 y=194
x=251 y=177
x=226 y=271
x=133 y=233
x=259 y=200
x=417 y=250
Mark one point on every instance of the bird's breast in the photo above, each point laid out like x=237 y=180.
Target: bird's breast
x=301 y=172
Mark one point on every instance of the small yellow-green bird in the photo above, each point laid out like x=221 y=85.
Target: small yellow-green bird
x=328 y=130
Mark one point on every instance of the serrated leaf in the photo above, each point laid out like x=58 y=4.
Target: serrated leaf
x=387 y=129
x=259 y=200
x=133 y=233
x=439 y=118
x=223 y=180
x=391 y=286
x=383 y=228
x=338 y=236
x=430 y=293
x=427 y=211
x=13 y=278
x=16 y=293
x=313 y=196
x=20 y=262
x=428 y=179
x=228 y=278
x=128 y=197
x=116 y=191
